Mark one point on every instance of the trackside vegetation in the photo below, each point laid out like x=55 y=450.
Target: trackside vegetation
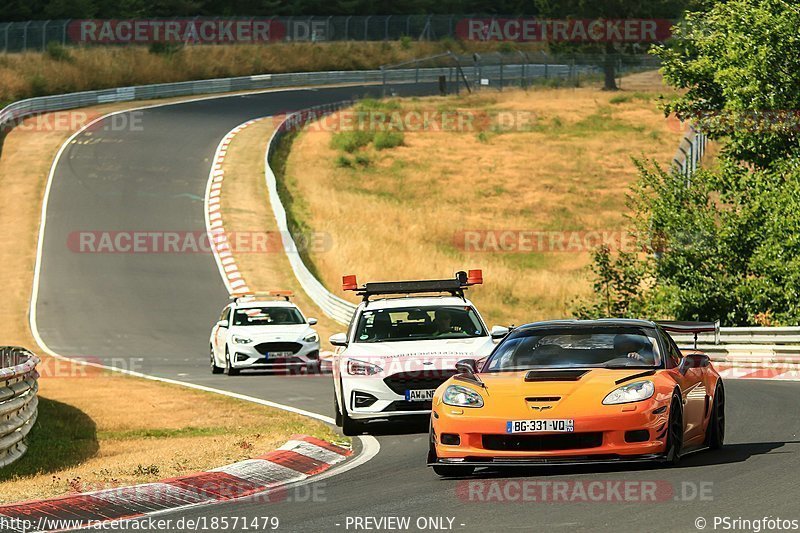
x=724 y=244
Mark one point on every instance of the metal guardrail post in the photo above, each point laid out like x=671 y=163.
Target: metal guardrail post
x=366 y=27
x=25 y=36
x=64 y=32
x=347 y=27
x=44 y=35
x=386 y=28
x=5 y=38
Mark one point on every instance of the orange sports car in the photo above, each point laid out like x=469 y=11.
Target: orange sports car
x=579 y=391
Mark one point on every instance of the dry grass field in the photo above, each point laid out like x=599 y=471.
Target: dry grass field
x=99 y=429
x=71 y=69
x=402 y=212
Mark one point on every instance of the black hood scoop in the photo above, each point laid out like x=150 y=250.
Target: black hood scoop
x=554 y=375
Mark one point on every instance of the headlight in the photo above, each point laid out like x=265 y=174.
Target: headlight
x=361 y=368
x=462 y=397
x=241 y=340
x=632 y=392
x=312 y=337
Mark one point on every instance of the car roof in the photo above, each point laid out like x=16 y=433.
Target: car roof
x=411 y=301
x=244 y=304
x=600 y=322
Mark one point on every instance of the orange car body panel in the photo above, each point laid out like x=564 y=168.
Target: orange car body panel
x=508 y=396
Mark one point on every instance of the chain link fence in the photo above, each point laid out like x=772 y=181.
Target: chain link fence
x=36 y=35
x=515 y=69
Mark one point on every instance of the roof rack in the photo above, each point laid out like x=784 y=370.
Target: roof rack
x=455 y=286
x=245 y=296
x=695 y=328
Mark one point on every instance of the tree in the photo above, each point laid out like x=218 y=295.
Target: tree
x=740 y=66
x=609 y=9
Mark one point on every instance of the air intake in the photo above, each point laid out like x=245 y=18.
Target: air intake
x=555 y=375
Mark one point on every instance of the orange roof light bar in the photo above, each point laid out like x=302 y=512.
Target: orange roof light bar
x=455 y=285
x=349 y=283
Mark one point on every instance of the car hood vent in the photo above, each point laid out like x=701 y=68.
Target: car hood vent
x=554 y=375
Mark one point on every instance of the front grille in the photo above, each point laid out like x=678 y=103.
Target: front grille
x=542 y=443
x=279 y=362
x=422 y=380
x=266 y=347
x=403 y=405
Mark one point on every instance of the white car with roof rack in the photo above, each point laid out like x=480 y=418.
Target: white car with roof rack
x=263 y=331
x=398 y=349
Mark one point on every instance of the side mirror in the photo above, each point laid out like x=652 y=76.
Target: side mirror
x=312 y=321
x=468 y=369
x=467 y=366
x=498 y=332
x=693 y=360
x=222 y=323
x=339 y=339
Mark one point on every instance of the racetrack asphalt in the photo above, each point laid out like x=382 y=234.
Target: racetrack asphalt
x=152 y=313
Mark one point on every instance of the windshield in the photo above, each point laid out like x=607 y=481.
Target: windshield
x=267 y=316
x=419 y=323
x=609 y=347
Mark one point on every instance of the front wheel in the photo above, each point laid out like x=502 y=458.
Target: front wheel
x=453 y=470
x=715 y=433
x=338 y=416
x=214 y=368
x=229 y=370
x=672 y=456
x=351 y=427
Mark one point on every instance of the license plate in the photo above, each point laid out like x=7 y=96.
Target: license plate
x=278 y=355
x=420 y=395
x=540 y=426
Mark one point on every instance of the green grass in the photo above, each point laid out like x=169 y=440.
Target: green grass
x=350 y=141
x=385 y=140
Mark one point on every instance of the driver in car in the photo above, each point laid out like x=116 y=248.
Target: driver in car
x=442 y=322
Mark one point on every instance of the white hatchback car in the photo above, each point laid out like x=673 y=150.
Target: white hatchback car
x=262 y=333
x=398 y=350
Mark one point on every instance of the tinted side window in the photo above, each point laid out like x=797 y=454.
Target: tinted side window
x=673 y=352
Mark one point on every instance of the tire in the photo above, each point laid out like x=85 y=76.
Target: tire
x=314 y=368
x=715 y=433
x=229 y=370
x=214 y=368
x=453 y=470
x=675 y=429
x=351 y=427
x=338 y=415
x=446 y=470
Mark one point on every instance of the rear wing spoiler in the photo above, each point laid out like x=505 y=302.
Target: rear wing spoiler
x=691 y=328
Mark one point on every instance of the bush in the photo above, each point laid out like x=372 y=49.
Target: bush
x=56 y=52
x=166 y=49
x=342 y=161
x=350 y=141
x=388 y=139
x=405 y=42
x=362 y=160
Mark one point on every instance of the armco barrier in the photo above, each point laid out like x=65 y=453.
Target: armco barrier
x=338 y=309
x=18 y=401
x=15 y=112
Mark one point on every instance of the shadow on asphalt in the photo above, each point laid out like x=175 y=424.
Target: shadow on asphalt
x=730 y=453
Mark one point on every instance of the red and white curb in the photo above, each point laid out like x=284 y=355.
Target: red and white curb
x=220 y=245
x=263 y=478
